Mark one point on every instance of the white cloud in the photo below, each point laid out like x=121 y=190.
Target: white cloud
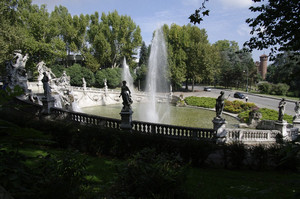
x=244 y=30
x=236 y=3
x=194 y=3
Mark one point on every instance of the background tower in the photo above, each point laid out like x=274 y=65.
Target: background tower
x=263 y=66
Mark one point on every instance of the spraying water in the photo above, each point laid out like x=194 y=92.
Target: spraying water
x=127 y=76
x=156 y=81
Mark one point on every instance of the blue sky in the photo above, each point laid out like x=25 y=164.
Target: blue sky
x=226 y=19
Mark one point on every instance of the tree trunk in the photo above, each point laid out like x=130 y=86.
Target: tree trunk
x=193 y=82
x=186 y=84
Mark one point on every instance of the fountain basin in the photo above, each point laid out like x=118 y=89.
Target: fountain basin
x=179 y=116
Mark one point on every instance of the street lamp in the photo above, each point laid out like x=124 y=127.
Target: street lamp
x=247 y=80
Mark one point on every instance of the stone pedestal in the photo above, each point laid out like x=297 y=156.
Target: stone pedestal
x=48 y=103
x=219 y=127
x=296 y=123
x=282 y=127
x=126 y=119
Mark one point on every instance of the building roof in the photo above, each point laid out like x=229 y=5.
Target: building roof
x=263 y=55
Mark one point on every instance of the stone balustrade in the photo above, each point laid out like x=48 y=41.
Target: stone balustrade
x=173 y=131
x=248 y=136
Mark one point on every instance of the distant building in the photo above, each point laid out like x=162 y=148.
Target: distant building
x=262 y=66
x=71 y=59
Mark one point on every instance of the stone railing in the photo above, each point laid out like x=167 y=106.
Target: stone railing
x=138 y=126
x=86 y=118
x=249 y=136
x=173 y=131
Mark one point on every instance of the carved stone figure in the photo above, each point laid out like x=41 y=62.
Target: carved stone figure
x=254 y=118
x=64 y=80
x=16 y=72
x=281 y=107
x=126 y=96
x=297 y=110
x=46 y=86
x=83 y=83
x=220 y=105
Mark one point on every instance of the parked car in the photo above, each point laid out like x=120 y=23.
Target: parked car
x=239 y=95
x=207 y=89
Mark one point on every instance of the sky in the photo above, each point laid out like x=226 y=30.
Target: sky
x=225 y=21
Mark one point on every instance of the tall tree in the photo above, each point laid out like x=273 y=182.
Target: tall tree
x=236 y=66
x=143 y=55
x=113 y=38
x=276 y=27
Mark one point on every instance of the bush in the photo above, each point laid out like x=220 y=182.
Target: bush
x=273 y=89
x=149 y=175
x=235 y=153
x=57 y=70
x=280 y=89
x=265 y=87
x=61 y=176
x=267 y=114
x=76 y=73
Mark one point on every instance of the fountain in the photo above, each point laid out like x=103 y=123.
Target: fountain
x=156 y=80
x=127 y=76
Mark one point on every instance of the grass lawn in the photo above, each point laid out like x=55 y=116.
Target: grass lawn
x=200 y=182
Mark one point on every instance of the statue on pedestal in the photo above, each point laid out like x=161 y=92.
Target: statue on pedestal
x=46 y=86
x=220 y=105
x=126 y=96
x=281 y=107
x=297 y=110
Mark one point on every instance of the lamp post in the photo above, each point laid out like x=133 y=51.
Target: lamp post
x=247 y=79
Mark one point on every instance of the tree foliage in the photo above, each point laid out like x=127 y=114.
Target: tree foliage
x=276 y=27
x=113 y=38
x=236 y=65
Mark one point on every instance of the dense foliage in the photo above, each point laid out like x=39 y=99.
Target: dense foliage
x=236 y=106
x=276 y=26
x=273 y=89
x=267 y=114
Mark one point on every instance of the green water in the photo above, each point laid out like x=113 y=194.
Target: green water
x=181 y=116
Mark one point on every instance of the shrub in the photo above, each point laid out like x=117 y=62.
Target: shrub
x=58 y=70
x=259 y=156
x=149 y=175
x=265 y=87
x=76 y=73
x=280 y=89
x=270 y=114
x=235 y=153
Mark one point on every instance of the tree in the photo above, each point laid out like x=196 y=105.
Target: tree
x=285 y=70
x=202 y=58
x=113 y=38
x=144 y=55
x=11 y=29
x=176 y=41
x=76 y=73
x=236 y=65
x=276 y=27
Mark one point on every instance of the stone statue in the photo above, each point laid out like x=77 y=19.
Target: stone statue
x=281 y=107
x=46 y=86
x=220 y=105
x=126 y=96
x=64 y=80
x=16 y=72
x=297 y=110
x=83 y=83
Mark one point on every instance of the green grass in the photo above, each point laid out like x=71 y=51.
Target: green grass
x=200 y=182
x=221 y=183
